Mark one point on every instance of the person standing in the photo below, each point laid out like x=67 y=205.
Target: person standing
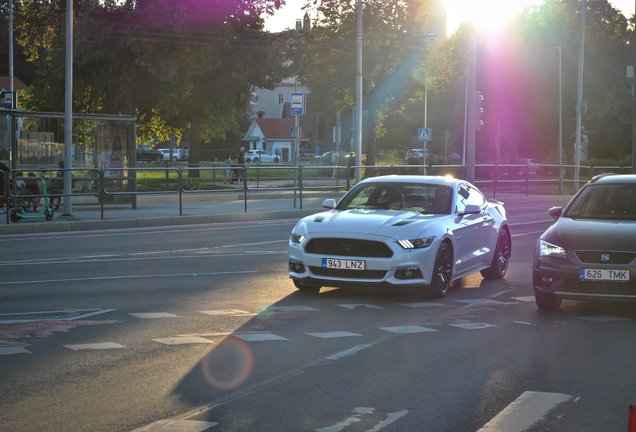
x=335 y=157
x=351 y=161
x=228 y=171
x=4 y=180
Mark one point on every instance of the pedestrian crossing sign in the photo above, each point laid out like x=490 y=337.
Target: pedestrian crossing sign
x=424 y=134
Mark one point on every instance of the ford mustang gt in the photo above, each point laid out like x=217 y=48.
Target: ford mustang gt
x=401 y=232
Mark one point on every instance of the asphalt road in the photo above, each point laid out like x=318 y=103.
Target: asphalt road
x=198 y=327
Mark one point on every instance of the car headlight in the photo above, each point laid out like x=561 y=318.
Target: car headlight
x=296 y=238
x=417 y=243
x=548 y=249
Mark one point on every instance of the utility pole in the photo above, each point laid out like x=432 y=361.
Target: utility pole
x=472 y=84
x=634 y=108
x=359 y=96
x=68 y=110
x=580 y=105
x=560 y=126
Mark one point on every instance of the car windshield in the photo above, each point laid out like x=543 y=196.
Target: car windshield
x=424 y=198
x=606 y=201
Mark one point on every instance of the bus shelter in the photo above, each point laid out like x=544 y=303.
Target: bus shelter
x=100 y=141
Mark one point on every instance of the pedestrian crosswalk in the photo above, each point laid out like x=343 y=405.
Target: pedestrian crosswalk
x=463 y=322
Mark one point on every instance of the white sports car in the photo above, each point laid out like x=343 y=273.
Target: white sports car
x=401 y=231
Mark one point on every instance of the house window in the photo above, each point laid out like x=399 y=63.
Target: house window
x=281 y=99
x=264 y=146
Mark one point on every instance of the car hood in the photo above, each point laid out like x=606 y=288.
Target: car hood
x=379 y=222
x=578 y=234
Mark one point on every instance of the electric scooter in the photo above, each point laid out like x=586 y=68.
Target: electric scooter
x=47 y=212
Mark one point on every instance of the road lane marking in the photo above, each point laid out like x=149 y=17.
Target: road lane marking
x=92 y=312
x=353 y=306
x=94 y=346
x=524 y=323
x=524 y=298
x=14 y=350
x=407 y=329
x=126 y=277
x=391 y=418
x=186 y=340
x=252 y=244
x=329 y=335
x=259 y=337
x=177 y=425
x=294 y=308
x=497 y=294
x=359 y=412
x=153 y=315
x=523 y=413
x=225 y=312
x=421 y=305
x=349 y=352
x=472 y=326
x=528 y=233
x=603 y=318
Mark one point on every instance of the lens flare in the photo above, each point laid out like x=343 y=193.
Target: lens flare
x=229 y=364
x=264 y=310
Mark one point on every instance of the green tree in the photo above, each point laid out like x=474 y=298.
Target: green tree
x=394 y=46
x=189 y=63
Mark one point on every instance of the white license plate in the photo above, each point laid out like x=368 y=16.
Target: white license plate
x=343 y=264
x=604 y=275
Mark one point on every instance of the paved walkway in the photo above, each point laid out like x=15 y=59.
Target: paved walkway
x=163 y=210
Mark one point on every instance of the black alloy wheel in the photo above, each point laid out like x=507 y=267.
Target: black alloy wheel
x=442 y=272
x=158 y=158
x=501 y=259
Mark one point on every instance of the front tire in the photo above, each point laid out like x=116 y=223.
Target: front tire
x=158 y=158
x=276 y=160
x=442 y=272
x=174 y=159
x=546 y=301
x=49 y=214
x=501 y=259
x=255 y=160
x=307 y=288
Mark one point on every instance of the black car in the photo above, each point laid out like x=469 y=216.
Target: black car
x=145 y=153
x=590 y=252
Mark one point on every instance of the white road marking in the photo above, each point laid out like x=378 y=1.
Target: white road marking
x=177 y=426
x=421 y=305
x=525 y=323
x=13 y=350
x=96 y=346
x=472 y=326
x=391 y=418
x=252 y=244
x=527 y=410
x=407 y=329
x=472 y=302
x=347 y=422
x=495 y=295
x=353 y=306
x=528 y=299
x=329 y=335
x=603 y=318
x=225 y=312
x=294 y=308
x=153 y=315
x=258 y=337
x=349 y=352
x=182 y=340
x=94 y=312
x=532 y=223
x=126 y=277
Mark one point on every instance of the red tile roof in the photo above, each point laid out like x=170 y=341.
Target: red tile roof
x=275 y=128
x=17 y=83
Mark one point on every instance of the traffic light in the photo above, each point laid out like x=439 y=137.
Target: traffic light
x=479 y=99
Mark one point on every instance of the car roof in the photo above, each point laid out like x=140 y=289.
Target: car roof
x=438 y=180
x=609 y=178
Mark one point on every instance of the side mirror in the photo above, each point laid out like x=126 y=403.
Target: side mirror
x=471 y=209
x=329 y=203
x=556 y=212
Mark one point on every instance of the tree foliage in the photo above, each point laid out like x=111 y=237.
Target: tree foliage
x=188 y=64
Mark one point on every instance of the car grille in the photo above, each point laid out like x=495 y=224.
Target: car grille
x=595 y=257
x=348 y=274
x=348 y=247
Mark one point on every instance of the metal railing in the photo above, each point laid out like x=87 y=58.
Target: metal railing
x=297 y=178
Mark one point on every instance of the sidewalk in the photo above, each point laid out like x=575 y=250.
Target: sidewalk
x=163 y=210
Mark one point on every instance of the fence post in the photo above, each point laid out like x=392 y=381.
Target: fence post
x=180 y=187
x=101 y=191
x=300 y=184
x=244 y=168
x=527 y=176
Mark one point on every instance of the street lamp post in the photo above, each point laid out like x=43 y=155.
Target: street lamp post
x=579 y=100
x=560 y=126
x=359 y=96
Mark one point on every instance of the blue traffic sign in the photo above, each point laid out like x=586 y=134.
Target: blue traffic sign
x=424 y=134
x=297 y=103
